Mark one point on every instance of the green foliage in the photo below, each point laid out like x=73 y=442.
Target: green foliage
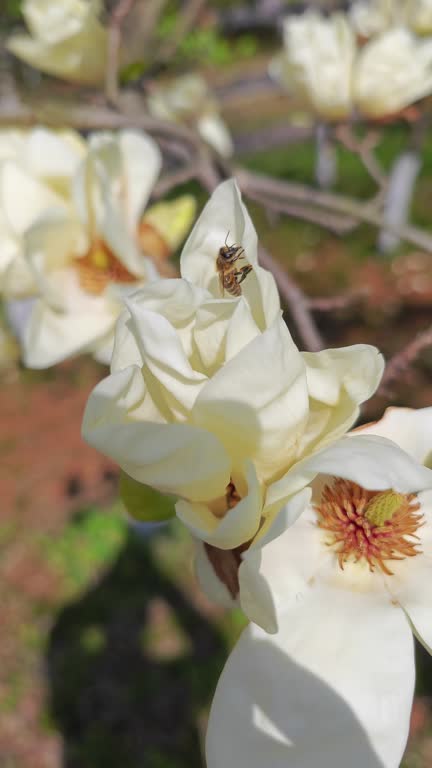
x=143 y=503
x=206 y=45
x=92 y=540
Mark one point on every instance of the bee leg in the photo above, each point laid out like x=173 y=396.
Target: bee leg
x=242 y=273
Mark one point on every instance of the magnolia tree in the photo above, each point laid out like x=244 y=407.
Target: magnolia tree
x=321 y=534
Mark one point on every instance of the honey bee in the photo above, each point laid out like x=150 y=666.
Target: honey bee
x=230 y=274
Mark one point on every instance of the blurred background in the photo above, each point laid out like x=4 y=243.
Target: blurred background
x=109 y=652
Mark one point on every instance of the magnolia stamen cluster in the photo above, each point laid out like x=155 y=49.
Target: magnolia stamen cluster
x=368 y=525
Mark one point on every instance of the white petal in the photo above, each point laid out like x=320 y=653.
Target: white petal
x=266 y=568
x=412 y=577
x=333 y=688
x=173 y=458
x=164 y=356
x=224 y=218
x=410 y=429
x=238 y=525
x=214 y=131
x=24 y=198
x=257 y=403
x=142 y=163
x=52 y=336
x=222 y=329
x=371 y=461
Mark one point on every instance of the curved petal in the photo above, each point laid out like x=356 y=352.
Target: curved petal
x=411 y=579
x=215 y=132
x=371 y=461
x=54 y=335
x=257 y=403
x=173 y=458
x=222 y=329
x=142 y=162
x=333 y=688
x=224 y=215
x=164 y=356
x=237 y=526
x=23 y=198
x=410 y=429
x=339 y=380
x=266 y=570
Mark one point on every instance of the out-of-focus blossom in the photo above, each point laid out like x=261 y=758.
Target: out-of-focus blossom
x=209 y=400
x=392 y=72
x=324 y=66
x=65 y=39
x=316 y=64
x=74 y=247
x=188 y=100
x=373 y=17
x=350 y=584
x=420 y=16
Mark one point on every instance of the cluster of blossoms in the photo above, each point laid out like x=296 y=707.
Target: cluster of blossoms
x=67 y=39
x=327 y=64
x=75 y=237
x=371 y=17
x=323 y=538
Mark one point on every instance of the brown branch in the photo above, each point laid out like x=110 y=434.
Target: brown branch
x=403 y=359
x=285 y=191
x=332 y=303
x=119 y=14
x=296 y=301
x=364 y=148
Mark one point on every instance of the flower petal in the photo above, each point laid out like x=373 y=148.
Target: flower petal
x=333 y=688
x=173 y=458
x=371 y=461
x=410 y=428
x=237 y=526
x=257 y=403
x=164 y=356
x=411 y=579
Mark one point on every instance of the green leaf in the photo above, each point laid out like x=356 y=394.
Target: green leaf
x=144 y=503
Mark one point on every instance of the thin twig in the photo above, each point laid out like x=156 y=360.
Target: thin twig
x=402 y=360
x=332 y=303
x=364 y=148
x=296 y=301
x=119 y=14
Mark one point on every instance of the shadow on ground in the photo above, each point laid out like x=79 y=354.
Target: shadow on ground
x=121 y=696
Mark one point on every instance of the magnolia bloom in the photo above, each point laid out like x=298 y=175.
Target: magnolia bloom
x=76 y=244
x=209 y=399
x=317 y=62
x=349 y=583
x=65 y=39
x=392 y=72
x=372 y=17
x=188 y=100
x=324 y=66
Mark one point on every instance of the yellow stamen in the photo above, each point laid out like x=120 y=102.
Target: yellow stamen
x=383 y=506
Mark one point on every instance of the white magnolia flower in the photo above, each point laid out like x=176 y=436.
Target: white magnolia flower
x=317 y=61
x=78 y=244
x=419 y=15
x=65 y=39
x=349 y=583
x=323 y=65
x=392 y=72
x=209 y=399
x=36 y=170
x=188 y=100
x=372 y=17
